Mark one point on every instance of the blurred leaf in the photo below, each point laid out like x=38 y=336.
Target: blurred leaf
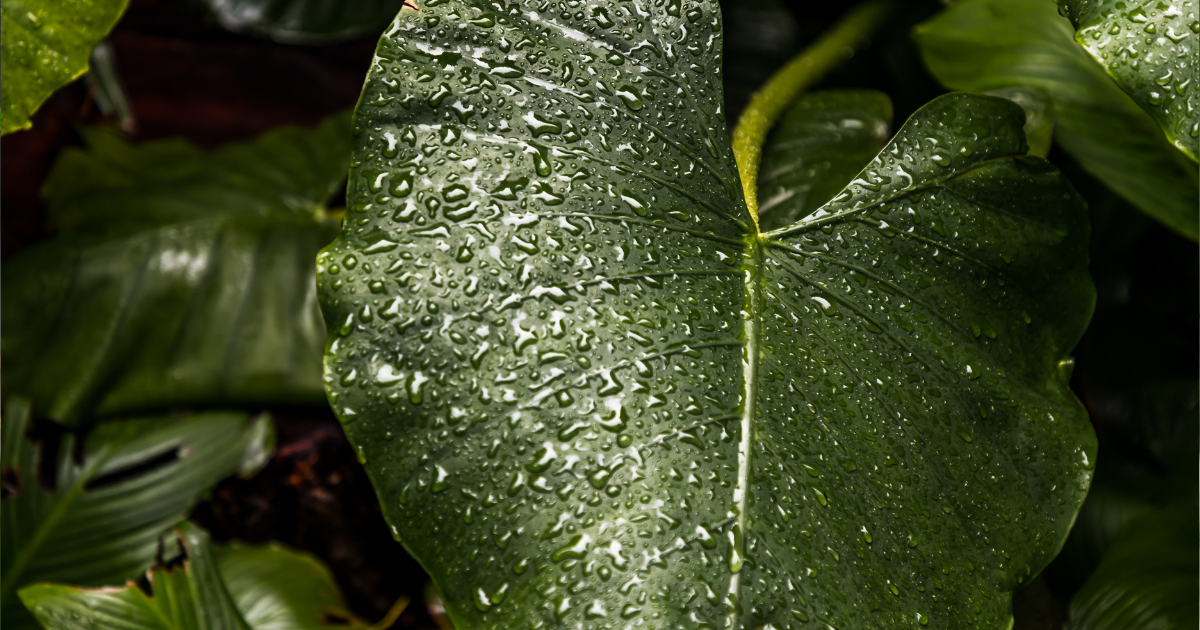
x=1148 y=578
x=178 y=278
x=1150 y=49
x=1039 y=116
x=184 y=591
x=983 y=45
x=44 y=45
x=306 y=21
x=97 y=521
x=814 y=151
x=277 y=588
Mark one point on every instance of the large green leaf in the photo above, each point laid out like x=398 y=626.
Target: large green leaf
x=1148 y=578
x=196 y=586
x=306 y=21
x=113 y=495
x=44 y=45
x=1151 y=49
x=277 y=588
x=982 y=45
x=190 y=596
x=177 y=278
x=590 y=394
x=816 y=149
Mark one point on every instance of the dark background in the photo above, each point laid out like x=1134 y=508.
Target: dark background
x=187 y=77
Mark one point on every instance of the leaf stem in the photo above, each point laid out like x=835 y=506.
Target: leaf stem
x=769 y=103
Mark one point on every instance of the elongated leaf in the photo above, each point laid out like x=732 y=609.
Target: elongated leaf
x=818 y=147
x=178 y=278
x=982 y=45
x=1147 y=578
x=44 y=45
x=188 y=597
x=1152 y=49
x=276 y=588
x=590 y=394
x=306 y=21
x=113 y=495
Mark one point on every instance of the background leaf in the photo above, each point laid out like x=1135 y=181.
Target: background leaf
x=98 y=520
x=982 y=45
x=305 y=21
x=190 y=596
x=178 y=278
x=589 y=393
x=277 y=588
x=1148 y=578
x=45 y=44
x=816 y=149
x=1150 y=49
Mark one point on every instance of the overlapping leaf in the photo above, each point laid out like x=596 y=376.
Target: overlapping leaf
x=982 y=45
x=98 y=521
x=45 y=44
x=590 y=393
x=177 y=278
x=1152 y=49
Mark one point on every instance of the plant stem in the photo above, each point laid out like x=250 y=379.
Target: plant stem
x=781 y=90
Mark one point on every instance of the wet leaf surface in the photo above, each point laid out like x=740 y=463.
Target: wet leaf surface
x=588 y=391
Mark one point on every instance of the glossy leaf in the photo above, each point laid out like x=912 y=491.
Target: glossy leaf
x=306 y=21
x=1152 y=50
x=186 y=592
x=1148 y=578
x=112 y=496
x=276 y=588
x=177 y=278
x=816 y=149
x=589 y=394
x=982 y=45
x=44 y=45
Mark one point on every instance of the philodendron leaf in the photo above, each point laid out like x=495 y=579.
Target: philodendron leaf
x=591 y=394
x=185 y=592
x=1147 y=578
x=816 y=149
x=177 y=278
x=306 y=21
x=1152 y=50
x=112 y=496
x=982 y=45
x=44 y=45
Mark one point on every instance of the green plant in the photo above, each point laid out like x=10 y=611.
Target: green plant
x=612 y=361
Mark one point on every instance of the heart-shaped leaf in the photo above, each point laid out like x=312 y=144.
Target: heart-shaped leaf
x=44 y=45
x=99 y=520
x=590 y=393
x=982 y=45
x=178 y=278
x=1152 y=50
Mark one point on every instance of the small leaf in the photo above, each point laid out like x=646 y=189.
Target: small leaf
x=1148 y=578
x=277 y=588
x=113 y=496
x=1151 y=50
x=630 y=407
x=177 y=278
x=816 y=149
x=982 y=45
x=185 y=592
x=44 y=45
